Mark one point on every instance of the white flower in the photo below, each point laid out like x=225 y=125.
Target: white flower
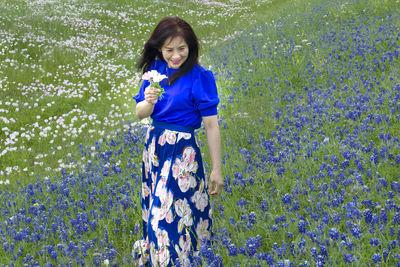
x=154 y=76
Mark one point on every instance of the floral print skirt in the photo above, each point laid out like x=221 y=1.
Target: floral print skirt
x=175 y=203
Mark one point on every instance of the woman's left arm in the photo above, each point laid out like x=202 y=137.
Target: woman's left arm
x=214 y=148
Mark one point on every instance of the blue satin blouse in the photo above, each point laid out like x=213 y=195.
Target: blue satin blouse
x=191 y=97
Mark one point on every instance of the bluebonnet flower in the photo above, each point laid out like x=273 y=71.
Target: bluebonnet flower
x=54 y=255
x=336 y=218
x=333 y=185
x=383 y=181
x=349 y=258
x=314 y=252
x=334 y=159
x=396 y=218
x=264 y=206
x=385 y=254
x=375 y=219
x=280 y=219
x=286 y=199
x=374 y=241
x=252 y=218
x=280 y=170
x=351 y=210
x=376 y=258
x=320 y=261
x=398 y=159
x=295 y=206
x=242 y=250
x=368 y=216
x=217 y=261
x=302 y=226
x=267 y=257
x=383 y=216
x=334 y=234
x=242 y=203
x=206 y=251
x=233 y=250
x=395 y=186
x=392 y=245
x=197 y=261
x=136 y=228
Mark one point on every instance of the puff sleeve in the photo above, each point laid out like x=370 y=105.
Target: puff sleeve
x=205 y=93
x=140 y=96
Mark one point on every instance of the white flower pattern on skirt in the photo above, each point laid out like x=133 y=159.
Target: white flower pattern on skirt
x=200 y=198
x=141 y=247
x=166 y=198
x=202 y=231
x=175 y=204
x=183 y=249
x=183 y=210
x=168 y=136
x=183 y=169
x=185 y=136
x=165 y=170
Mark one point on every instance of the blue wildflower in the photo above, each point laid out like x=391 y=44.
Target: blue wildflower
x=385 y=254
x=286 y=199
x=368 y=216
x=334 y=234
x=349 y=258
x=242 y=203
x=376 y=258
x=233 y=250
x=356 y=231
x=264 y=206
x=302 y=226
x=396 y=218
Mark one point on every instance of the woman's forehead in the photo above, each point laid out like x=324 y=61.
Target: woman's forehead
x=174 y=41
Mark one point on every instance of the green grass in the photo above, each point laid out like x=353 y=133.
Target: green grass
x=82 y=56
x=270 y=61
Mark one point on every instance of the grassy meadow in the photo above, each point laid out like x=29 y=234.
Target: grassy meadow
x=68 y=72
x=309 y=119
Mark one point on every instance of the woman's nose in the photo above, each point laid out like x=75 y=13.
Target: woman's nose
x=175 y=55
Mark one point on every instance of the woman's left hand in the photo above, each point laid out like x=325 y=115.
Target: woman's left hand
x=214 y=148
x=216 y=183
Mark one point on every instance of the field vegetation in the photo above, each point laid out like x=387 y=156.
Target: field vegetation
x=309 y=118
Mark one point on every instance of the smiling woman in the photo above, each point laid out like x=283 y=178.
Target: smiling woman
x=176 y=211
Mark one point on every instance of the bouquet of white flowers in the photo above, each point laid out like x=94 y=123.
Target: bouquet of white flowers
x=154 y=77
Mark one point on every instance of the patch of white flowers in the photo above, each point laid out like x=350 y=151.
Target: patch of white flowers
x=56 y=69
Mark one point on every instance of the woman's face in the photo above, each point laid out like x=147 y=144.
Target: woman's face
x=175 y=51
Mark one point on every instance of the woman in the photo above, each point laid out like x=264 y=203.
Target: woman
x=176 y=210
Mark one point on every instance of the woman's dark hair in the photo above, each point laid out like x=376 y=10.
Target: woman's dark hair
x=170 y=27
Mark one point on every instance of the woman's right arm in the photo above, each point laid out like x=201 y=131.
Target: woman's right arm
x=145 y=108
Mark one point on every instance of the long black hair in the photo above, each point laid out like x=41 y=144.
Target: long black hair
x=170 y=27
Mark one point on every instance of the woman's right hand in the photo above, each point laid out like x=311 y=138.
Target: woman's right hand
x=151 y=95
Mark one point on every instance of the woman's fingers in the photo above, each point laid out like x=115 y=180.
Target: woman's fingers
x=152 y=90
x=150 y=95
x=216 y=185
x=217 y=189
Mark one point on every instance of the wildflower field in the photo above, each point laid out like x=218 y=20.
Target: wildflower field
x=309 y=118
